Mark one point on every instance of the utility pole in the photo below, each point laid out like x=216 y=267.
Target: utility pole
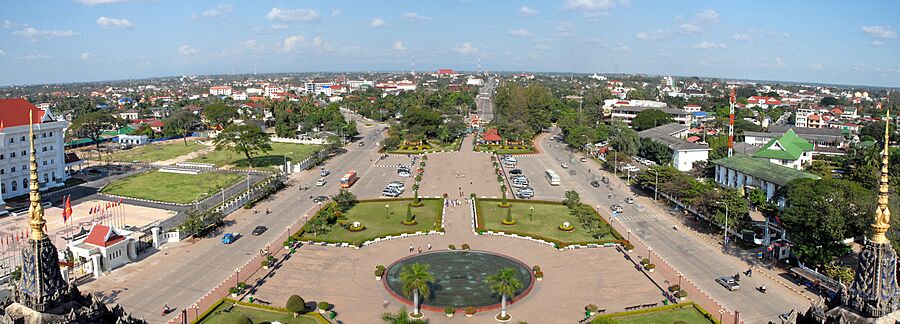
x=731 y=124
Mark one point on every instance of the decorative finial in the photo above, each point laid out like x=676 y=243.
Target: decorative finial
x=882 y=213
x=35 y=211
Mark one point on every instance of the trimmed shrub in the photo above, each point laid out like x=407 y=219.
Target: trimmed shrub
x=674 y=288
x=538 y=274
x=536 y=268
x=591 y=308
x=449 y=310
x=452 y=247
x=470 y=310
x=645 y=261
x=234 y=318
x=465 y=246
x=295 y=304
x=629 y=246
x=323 y=305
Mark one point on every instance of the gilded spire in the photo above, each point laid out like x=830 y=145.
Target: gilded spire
x=35 y=211
x=883 y=214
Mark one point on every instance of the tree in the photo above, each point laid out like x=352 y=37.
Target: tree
x=653 y=150
x=243 y=139
x=820 y=214
x=828 y=101
x=350 y=130
x=344 y=200
x=504 y=283
x=416 y=280
x=181 y=123
x=295 y=304
x=624 y=139
x=220 y=114
x=92 y=125
x=650 y=118
x=875 y=131
x=400 y=317
x=572 y=199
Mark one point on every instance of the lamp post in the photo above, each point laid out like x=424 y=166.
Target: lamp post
x=387 y=214
x=679 y=279
x=531 y=213
x=629 y=235
x=656 y=185
x=725 y=241
x=197 y=201
x=721 y=314
x=649 y=254
x=285 y=162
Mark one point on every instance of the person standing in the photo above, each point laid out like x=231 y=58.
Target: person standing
x=410 y=248
x=429 y=246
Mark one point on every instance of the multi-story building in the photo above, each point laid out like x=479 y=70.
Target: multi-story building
x=318 y=86
x=358 y=84
x=220 y=91
x=14 y=148
x=627 y=113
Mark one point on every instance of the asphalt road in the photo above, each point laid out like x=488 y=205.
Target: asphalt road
x=180 y=274
x=484 y=101
x=696 y=259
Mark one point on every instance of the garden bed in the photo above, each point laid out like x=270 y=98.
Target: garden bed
x=380 y=221
x=684 y=312
x=506 y=149
x=425 y=148
x=273 y=159
x=543 y=223
x=223 y=312
x=156 y=152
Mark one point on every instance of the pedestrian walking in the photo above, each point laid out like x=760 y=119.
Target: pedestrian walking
x=429 y=246
x=410 y=248
x=420 y=249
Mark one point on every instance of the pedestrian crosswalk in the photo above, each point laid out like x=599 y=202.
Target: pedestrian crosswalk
x=630 y=216
x=392 y=166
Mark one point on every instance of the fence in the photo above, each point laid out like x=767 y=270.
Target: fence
x=251 y=272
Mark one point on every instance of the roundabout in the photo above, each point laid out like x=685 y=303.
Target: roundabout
x=459 y=279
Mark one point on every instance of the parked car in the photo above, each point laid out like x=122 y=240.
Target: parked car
x=404 y=172
x=729 y=283
x=525 y=193
x=397 y=185
x=318 y=199
x=361 y=144
x=595 y=184
x=259 y=230
x=515 y=171
x=564 y=165
x=583 y=159
x=390 y=192
x=229 y=238
x=510 y=159
x=629 y=200
x=324 y=173
x=320 y=182
x=519 y=182
x=604 y=180
x=616 y=208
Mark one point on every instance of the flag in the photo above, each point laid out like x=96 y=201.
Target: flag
x=67 y=211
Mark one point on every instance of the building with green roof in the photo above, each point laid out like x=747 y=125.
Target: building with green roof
x=743 y=171
x=788 y=150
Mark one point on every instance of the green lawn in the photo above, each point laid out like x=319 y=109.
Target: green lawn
x=500 y=149
x=685 y=314
x=273 y=159
x=380 y=221
x=156 y=152
x=171 y=187
x=542 y=223
x=257 y=315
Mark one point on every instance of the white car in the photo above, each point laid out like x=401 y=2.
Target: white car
x=564 y=165
x=397 y=185
x=320 y=182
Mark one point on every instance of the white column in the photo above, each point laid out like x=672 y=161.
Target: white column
x=155 y=232
x=95 y=264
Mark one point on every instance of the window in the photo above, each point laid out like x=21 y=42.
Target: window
x=46 y=178
x=1 y=156
x=2 y=188
x=45 y=162
x=12 y=154
x=23 y=138
x=43 y=135
x=54 y=174
x=51 y=134
x=24 y=183
x=44 y=149
x=15 y=186
x=51 y=161
x=12 y=140
x=24 y=153
x=13 y=169
x=2 y=171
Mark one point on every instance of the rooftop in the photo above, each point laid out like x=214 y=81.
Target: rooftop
x=787 y=147
x=663 y=135
x=763 y=169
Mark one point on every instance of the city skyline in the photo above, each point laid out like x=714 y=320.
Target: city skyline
x=94 y=40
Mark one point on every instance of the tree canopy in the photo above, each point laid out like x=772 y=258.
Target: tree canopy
x=244 y=139
x=92 y=125
x=650 y=118
x=181 y=123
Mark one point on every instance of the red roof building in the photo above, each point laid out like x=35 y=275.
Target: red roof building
x=14 y=112
x=491 y=136
x=446 y=71
x=102 y=235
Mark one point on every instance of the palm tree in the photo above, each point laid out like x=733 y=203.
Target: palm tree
x=504 y=283
x=400 y=318
x=415 y=278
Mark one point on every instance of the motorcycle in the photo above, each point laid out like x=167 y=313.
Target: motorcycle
x=761 y=289
x=166 y=310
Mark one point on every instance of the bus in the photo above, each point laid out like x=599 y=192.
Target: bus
x=552 y=177
x=349 y=179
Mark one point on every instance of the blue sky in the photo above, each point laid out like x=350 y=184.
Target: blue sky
x=85 y=40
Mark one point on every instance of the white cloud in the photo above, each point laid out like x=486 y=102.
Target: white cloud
x=293 y=15
x=876 y=43
x=317 y=42
x=590 y=5
x=542 y=47
x=107 y=22
x=98 y=2
x=816 y=67
x=521 y=32
x=779 y=62
x=565 y=29
x=335 y=12
x=34 y=34
x=2 y=53
x=741 y=37
x=526 y=11
x=7 y=24
x=412 y=16
x=377 y=23
x=707 y=16
x=652 y=35
x=620 y=48
x=709 y=45
x=398 y=46
x=187 y=50
x=34 y=57
x=292 y=42
x=87 y=56
x=466 y=49
x=880 y=31
x=690 y=28
x=252 y=44
x=278 y=26
x=218 y=11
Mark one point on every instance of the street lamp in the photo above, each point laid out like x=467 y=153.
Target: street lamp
x=725 y=242
x=387 y=214
x=649 y=254
x=285 y=162
x=629 y=235
x=197 y=201
x=721 y=314
x=679 y=279
x=656 y=185
x=531 y=213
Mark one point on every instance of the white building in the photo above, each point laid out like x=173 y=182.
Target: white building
x=627 y=113
x=239 y=96
x=220 y=91
x=744 y=172
x=14 y=148
x=104 y=249
x=692 y=108
x=133 y=140
x=271 y=90
x=684 y=153
x=359 y=84
x=317 y=87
